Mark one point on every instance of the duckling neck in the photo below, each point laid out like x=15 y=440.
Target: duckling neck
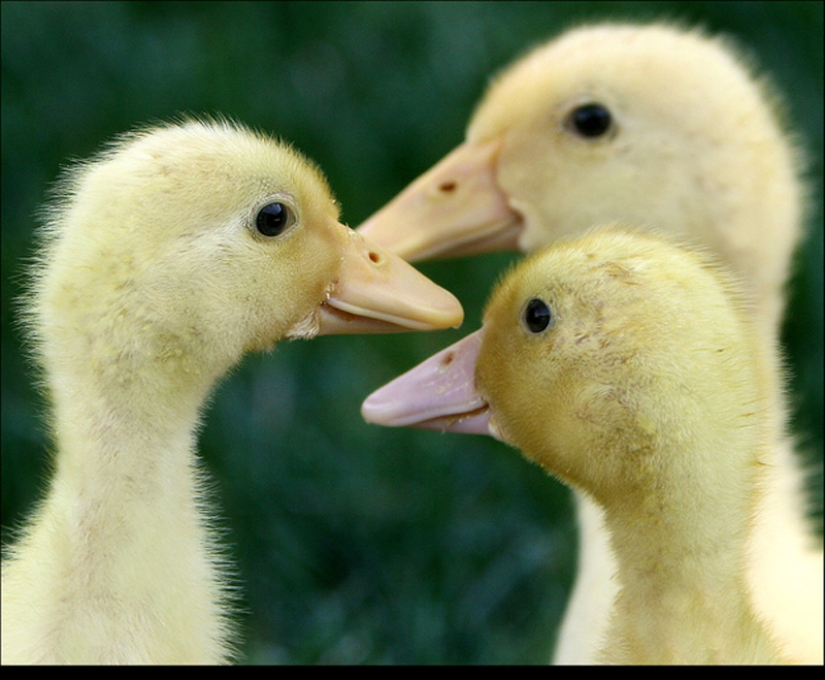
x=131 y=566
x=124 y=428
x=683 y=596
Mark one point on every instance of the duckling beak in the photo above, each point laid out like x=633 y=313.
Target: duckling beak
x=438 y=394
x=377 y=292
x=456 y=208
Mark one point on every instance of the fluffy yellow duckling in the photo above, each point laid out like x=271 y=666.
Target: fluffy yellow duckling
x=166 y=259
x=667 y=129
x=626 y=367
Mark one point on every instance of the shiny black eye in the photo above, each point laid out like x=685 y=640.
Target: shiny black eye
x=273 y=219
x=537 y=316
x=591 y=120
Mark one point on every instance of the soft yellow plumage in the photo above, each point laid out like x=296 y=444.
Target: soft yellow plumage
x=694 y=148
x=628 y=368
x=166 y=259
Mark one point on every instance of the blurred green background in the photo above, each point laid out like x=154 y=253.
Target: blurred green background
x=354 y=543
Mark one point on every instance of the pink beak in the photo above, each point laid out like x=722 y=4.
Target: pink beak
x=438 y=394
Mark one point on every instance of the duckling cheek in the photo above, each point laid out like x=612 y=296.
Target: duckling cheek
x=494 y=431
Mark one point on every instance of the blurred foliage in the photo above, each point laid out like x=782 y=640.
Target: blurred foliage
x=354 y=544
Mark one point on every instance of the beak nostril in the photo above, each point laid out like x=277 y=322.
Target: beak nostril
x=448 y=187
x=375 y=257
x=447 y=359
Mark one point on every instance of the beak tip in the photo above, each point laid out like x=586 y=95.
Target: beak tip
x=376 y=410
x=451 y=311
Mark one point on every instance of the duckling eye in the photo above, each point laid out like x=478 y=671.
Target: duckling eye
x=273 y=219
x=537 y=316
x=591 y=120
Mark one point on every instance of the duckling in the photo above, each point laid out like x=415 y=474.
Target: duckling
x=166 y=259
x=628 y=368
x=667 y=129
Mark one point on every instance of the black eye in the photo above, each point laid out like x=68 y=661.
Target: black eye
x=591 y=120
x=273 y=219
x=537 y=316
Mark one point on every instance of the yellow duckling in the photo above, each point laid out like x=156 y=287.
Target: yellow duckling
x=628 y=368
x=166 y=259
x=667 y=129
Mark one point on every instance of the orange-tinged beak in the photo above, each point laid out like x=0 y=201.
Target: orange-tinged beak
x=377 y=292
x=455 y=208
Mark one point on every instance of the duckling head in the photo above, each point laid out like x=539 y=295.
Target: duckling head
x=599 y=358
x=185 y=246
x=648 y=124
